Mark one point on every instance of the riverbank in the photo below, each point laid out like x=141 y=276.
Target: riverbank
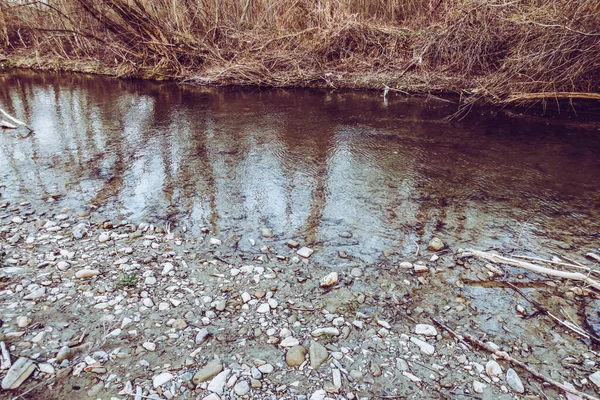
x=110 y=309
x=509 y=52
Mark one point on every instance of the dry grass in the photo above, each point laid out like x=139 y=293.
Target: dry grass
x=492 y=49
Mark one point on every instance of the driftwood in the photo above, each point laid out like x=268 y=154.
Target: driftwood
x=576 y=266
x=551 y=95
x=536 y=268
x=505 y=356
x=11 y=125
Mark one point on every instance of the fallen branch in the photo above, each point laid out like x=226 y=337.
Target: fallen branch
x=584 y=268
x=550 y=95
x=567 y=324
x=536 y=268
x=504 y=355
x=5 y=124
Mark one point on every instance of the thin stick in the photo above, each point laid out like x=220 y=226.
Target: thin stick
x=506 y=357
x=7 y=125
x=536 y=268
x=453 y=333
x=559 y=263
x=594 y=256
x=570 y=325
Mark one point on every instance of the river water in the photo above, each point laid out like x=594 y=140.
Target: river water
x=341 y=170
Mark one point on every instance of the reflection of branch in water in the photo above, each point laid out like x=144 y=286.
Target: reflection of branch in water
x=13 y=119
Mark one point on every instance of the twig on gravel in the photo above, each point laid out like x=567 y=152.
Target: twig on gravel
x=47 y=381
x=577 y=266
x=504 y=355
x=449 y=330
x=567 y=324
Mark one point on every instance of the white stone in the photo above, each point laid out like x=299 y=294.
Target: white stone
x=148 y=302
x=425 y=347
x=595 y=378
x=215 y=241
x=336 y=377
x=318 y=395
x=266 y=368
x=492 y=368
x=325 y=332
x=86 y=273
x=246 y=297
x=167 y=267
x=23 y=321
x=289 y=342
x=103 y=237
x=149 y=346
x=217 y=384
x=161 y=379
x=263 y=308
x=241 y=388
x=478 y=386
x=305 y=252
x=272 y=303
x=329 y=280
x=18 y=373
x=425 y=330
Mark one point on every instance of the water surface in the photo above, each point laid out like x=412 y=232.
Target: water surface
x=318 y=166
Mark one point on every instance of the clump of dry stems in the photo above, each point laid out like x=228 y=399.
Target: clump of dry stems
x=495 y=49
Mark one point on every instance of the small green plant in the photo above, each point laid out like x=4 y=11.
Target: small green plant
x=128 y=280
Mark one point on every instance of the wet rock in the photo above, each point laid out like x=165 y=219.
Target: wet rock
x=18 y=373
x=161 y=379
x=86 y=273
x=209 y=371
x=318 y=354
x=435 y=244
x=513 y=380
x=329 y=280
x=305 y=252
x=425 y=330
x=295 y=356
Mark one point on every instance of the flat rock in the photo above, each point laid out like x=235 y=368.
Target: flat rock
x=305 y=252
x=67 y=353
x=595 y=378
x=513 y=380
x=217 y=384
x=161 y=379
x=17 y=374
x=325 y=332
x=86 y=273
x=318 y=354
x=318 y=395
x=425 y=330
x=425 y=347
x=478 y=387
x=289 y=342
x=209 y=371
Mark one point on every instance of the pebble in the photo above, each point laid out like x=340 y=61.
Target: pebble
x=209 y=371
x=263 y=308
x=478 y=386
x=425 y=330
x=63 y=265
x=318 y=354
x=22 y=321
x=406 y=265
x=295 y=356
x=161 y=379
x=595 y=378
x=241 y=388
x=318 y=395
x=267 y=233
x=104 y=237
x=149 y=346
x=513 y=380
x=420 y=268
x=217 y=384
x=336 y=377
x=425 y=347
x=492 y=368
x=201 y=336
x=329 y=280
x=289 y=342
x=325 y=332
x=215 y=241
x=212 y=396
x=86 y=273
x=305 y=252
x=435 y=244
x=266 y=368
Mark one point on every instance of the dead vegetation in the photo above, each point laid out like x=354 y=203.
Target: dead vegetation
x=502 y=51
